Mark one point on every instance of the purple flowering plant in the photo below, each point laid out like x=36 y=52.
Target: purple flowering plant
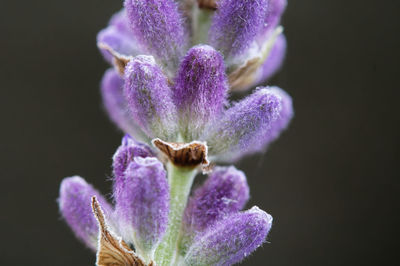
x=174 y=64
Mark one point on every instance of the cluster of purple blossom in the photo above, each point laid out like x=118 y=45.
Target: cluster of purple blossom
x=174 y=64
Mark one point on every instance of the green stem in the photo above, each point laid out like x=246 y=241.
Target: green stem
x=180 y=182
x=200 y=25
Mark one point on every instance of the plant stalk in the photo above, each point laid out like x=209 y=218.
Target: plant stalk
x=180 y=181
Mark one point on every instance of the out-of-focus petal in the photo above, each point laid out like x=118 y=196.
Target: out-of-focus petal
x=75 y=208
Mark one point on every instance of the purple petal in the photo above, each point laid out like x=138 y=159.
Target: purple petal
x=236 y=24
x=285 y=116
x=200 y=90
x=149 y=97
x=274 y=14
x=125 y=154
x=224 y=192
x=118 y=36
x=116 y=106
x=244 y=123
x=230 y=240
x=75 y=207
x=274 y=60
x=159 y=27
x=142 y=203
x=276 y=127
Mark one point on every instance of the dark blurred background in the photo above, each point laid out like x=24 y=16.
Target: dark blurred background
x=330 y=181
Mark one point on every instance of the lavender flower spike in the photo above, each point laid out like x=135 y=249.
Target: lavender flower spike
x=75 y=207
x=224 y=192
x=236 y=25
x=149 y=97
x=230 y=240
x=200 y=90
x=142 y=204
x=159 y=27
x=244 y=123
x=116 y=105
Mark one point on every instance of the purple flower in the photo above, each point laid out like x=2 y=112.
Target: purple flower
x=119 y=37
x=142 y=203
x=245 y=126
x=142 y=195
x=75 y=208
x=158 y=26
x=149 y=97
x=236 y=25
x=125 y=154
x=241 y=30
x=194 y=109
x=274 y=14
x=200 y=90
x=224 y=192
x=116 y=105
x=231 y=239
x=273 y=62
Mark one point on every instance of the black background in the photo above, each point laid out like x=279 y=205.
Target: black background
x=330 y=181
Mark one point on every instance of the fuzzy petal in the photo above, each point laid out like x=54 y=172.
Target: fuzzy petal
x=200 y=90
x=125 y=154
x=116 y=106
x=236 y=25
x=243 y=124
x=224 y=192
x=142 y=203
x=150 y=98
x=119 y=37
x=274 y=60
x=285 y=116
x=230 y=240
x=75 y=207
x=159 y=28
x=274 y=14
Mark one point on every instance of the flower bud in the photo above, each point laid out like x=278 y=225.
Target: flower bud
x=236 y=24
x=244 y=123
x=142 y=204
x=149 y=97
x=200 y=90
x=158 y=26
x=116 y=106
x=125 y=154
x=75 y=207
x=224 y=192
x=231 y=239
x=273 y=61
x=119 y=37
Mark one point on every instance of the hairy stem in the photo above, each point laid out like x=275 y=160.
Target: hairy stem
x=180 y=182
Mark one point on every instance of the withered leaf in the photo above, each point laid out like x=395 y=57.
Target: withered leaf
x=207 y=4
x=188 y=155
x=120 y=61
x=111 y=250
x=244 y=75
